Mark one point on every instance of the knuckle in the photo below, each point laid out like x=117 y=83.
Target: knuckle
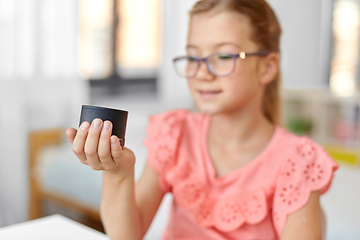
x=90 y=153
x=108 y=167
x=103 y=154
x=96 y=167
x=116 y=150
x=83 y=162
x=77 y=150
x=116 y=154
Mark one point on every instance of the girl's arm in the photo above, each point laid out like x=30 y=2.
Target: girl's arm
x=306 y=222
x=148 y=196
x=127 y=211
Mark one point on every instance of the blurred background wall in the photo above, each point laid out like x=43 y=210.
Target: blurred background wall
x=57 y=55
x=40 y=87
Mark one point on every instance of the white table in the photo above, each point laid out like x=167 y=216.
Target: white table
x=54 y=227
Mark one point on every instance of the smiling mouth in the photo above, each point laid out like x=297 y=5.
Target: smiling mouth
x=208 y=94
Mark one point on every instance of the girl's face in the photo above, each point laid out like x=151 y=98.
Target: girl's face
x=224 y=32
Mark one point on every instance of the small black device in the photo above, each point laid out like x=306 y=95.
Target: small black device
x=117 y=117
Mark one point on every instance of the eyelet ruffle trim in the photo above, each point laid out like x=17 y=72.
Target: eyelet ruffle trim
x=310 y=169
x=225 y=214
x=163 y=133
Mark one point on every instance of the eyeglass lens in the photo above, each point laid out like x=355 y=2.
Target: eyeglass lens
x=218 y=65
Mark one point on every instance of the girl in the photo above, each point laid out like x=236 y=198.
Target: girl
x=233 y=171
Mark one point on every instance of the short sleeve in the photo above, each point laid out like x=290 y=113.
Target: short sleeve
x=308 y=168
x=162 y=139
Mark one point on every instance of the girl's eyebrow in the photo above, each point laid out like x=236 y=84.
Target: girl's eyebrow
x=191 y=46
x=227 y=43
x=216 y=45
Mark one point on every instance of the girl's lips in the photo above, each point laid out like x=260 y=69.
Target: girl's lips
x=209 y=94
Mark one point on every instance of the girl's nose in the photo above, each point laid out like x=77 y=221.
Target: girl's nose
x=204 y=73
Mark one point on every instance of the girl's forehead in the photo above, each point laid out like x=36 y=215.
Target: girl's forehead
x=214 y=29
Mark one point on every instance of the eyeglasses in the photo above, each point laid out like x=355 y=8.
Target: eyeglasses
x=219 y=64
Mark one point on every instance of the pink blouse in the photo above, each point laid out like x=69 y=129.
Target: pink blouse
x=253 y=201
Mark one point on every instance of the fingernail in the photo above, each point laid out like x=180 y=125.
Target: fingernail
x=85 y=126
x=114 y=140
x=106 y=125
x=96 y=123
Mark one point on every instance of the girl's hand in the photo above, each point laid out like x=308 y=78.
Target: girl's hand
x=94 y=146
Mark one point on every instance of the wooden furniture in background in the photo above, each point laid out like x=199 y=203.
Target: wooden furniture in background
x=38 y=140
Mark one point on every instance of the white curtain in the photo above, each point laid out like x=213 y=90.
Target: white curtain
x=38 y=38
x=39 y=87
x=13 y=172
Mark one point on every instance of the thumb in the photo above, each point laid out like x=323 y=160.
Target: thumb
x=71 y=133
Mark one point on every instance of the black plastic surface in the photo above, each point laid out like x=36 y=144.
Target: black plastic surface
x=116 y=116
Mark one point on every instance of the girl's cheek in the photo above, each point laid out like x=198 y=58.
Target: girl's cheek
x=191 y=89
x=190 y=85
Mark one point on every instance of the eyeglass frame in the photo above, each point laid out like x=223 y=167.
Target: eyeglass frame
x=242 y=55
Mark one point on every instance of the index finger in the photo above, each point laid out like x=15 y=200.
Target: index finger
x=79 y=141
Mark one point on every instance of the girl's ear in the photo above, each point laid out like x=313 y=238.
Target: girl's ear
x=269 y=68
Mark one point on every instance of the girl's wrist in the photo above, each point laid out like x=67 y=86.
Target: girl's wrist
x=118 y=176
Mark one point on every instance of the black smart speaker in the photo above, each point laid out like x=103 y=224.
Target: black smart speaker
x=117 y=117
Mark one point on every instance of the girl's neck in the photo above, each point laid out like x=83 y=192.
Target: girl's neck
x=240 y=126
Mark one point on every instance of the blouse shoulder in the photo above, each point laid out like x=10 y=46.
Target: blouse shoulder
x=306 y=167
x=162 y=137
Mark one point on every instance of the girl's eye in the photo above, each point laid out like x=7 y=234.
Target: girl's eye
x=191 y=59
x=224 y=57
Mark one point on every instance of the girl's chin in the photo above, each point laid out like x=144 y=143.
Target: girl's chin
x=209 y=110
